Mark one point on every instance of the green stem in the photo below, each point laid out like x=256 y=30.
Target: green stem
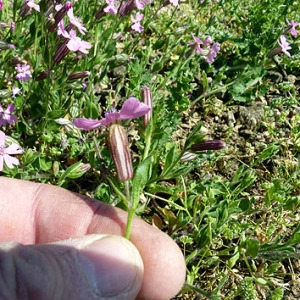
x=131 y=210
x=212 y=92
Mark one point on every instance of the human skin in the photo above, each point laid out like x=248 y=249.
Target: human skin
x=40 y=214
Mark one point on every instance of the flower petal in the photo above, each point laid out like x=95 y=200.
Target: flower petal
x=87 y=124
x=1 y=163
x=2 y=137
x=133 y=108
x=14 y=149
x=110 y=117
x=10 y=161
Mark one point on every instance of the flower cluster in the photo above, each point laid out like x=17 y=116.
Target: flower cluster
x=206 y=48
x=118 y=141
x=71 y=42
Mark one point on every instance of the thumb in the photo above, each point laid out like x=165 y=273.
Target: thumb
x=92 y=267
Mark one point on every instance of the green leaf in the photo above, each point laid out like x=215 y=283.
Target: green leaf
x=55 y=114
x=234 y=258
x=91 y=111
x=45 y=163
x=252 y=247
x=170 y=159
x=74 y=171
x=141 y=176
x=194 y=137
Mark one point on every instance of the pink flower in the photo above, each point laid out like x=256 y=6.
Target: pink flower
x=206 y=48
x=76 y=22
x=111 y=7
x=132 y=108
x=75 y=43
x=196 y=44
x=210 y=57
x=0 y=5
x=140 y=4
x=6 y=115
x=31 y=4
x=15 y=91
x=136 y=22
x=292 y=26
x=173 y=2
x=284 y=44
x=24 y=73
x=5 y=153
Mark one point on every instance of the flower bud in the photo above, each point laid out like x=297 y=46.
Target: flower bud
x=60 y=14
x=77 y=170
x=61 y=53
x=275 y=51
x=79 y=75
x=4 y=46
x=208 y=145
x=147 y=99
x=25 y=9
x=188 y=156
x=119 y=148
x=101 y=13
x=127 y=8
x=69 y=127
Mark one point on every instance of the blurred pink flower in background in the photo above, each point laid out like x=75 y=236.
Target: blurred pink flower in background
x=284 y=44
x=292 y=24
x=136 y=22
x=6 y=151
x=6 y=115
x=24 y=73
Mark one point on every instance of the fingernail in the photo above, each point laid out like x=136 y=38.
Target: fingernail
x=112 y=266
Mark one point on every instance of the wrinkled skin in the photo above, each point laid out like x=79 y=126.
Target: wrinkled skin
x=42 y=217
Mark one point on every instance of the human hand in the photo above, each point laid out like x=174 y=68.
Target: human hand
x=73 y=249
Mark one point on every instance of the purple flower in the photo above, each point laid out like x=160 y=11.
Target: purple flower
x=0 y=5
x=31 y=4
x=4 y=46
x=76 y=22
x=210 y=57
x=196 y=44
x=15 y=91
x=284 y=44
x=206 y=48
x=136 y=22
x=173 y=2
x=27 y=7
x=5 y=153
x=6 y=115
x=75 y=43
x=111 y=7
x=140 y=4
x=12 y=26
x=24 y=73
x=132 y=108
x=292 y=26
